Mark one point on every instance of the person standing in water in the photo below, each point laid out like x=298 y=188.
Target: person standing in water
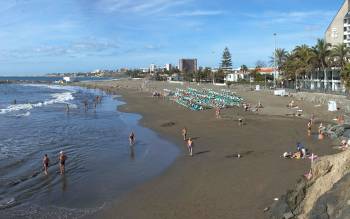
x=309 y=126
x=184 y=133
x=46 y=162
x=190 y=146
x=132 y=138
x=62 y=161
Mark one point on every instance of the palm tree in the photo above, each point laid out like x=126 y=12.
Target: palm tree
x=244 y=69
x=322 y=53
x=280 y=56
x=345 y=74
x=340 y=53
x=304 y=59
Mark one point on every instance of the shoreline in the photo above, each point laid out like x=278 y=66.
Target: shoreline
x=193 y=194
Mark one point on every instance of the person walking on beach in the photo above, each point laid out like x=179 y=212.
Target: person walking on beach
x=190 y=145
x=312 y=119
x=184 y=133
x=85 y=105
x=217 y=113
x=132 y=138
x=240 y=122
x=46 y=162
x=62 y=161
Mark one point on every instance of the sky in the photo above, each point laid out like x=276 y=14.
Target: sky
x=49 y=36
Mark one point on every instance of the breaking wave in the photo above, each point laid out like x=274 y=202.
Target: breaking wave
x=62 y=98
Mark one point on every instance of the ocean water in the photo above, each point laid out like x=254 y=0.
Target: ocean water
x=101 y=166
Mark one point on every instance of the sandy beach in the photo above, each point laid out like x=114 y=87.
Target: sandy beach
x=212 y=183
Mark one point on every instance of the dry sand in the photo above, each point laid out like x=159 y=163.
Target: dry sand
x=212 y=184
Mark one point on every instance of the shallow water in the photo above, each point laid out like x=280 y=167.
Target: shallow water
x=101 y=165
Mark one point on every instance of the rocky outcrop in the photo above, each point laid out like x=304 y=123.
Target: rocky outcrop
x=334 y=203
x=321 y=98
x=304 y=200
x=336 y=131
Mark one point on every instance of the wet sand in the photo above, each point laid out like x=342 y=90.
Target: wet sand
x=213 y=184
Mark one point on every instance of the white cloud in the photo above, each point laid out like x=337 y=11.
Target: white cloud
x=138 y=6
x=287 y=17
x=199 y=13
x=84 y=47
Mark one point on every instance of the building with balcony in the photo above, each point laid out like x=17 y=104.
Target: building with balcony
x=339 y=29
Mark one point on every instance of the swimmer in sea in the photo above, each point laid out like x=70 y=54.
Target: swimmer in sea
x=62 y=161
x=46 y=162
x=132 y=138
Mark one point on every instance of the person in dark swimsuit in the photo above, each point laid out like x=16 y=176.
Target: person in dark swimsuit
x=132 y=138
x=46 y=162
x=62 y=161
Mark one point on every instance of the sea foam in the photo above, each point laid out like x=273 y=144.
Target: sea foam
x=60 y=98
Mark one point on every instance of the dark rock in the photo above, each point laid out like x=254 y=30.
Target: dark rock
x=334 y=203
x=279 y=208
x=297 y=195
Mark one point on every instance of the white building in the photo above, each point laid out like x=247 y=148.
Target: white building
x=339 y=29
x=152 y=68
x=234 y=76
x=168 y=67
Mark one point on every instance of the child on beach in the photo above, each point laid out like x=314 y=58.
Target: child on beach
x=190 y=146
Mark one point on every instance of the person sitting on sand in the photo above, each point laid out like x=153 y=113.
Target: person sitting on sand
x=343 y=143
x=291 y=104
x=190 y=146
x=287 y=155
x=301 y=149
x=132 y=138
x=297 y=155
x=62 y=161
x=260 y=105
x=46 y=162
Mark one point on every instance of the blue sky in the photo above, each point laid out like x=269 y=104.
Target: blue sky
x=45 y=36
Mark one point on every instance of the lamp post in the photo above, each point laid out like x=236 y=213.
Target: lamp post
x=274 y=75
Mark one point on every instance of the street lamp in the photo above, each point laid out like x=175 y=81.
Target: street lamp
x=274 y=76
